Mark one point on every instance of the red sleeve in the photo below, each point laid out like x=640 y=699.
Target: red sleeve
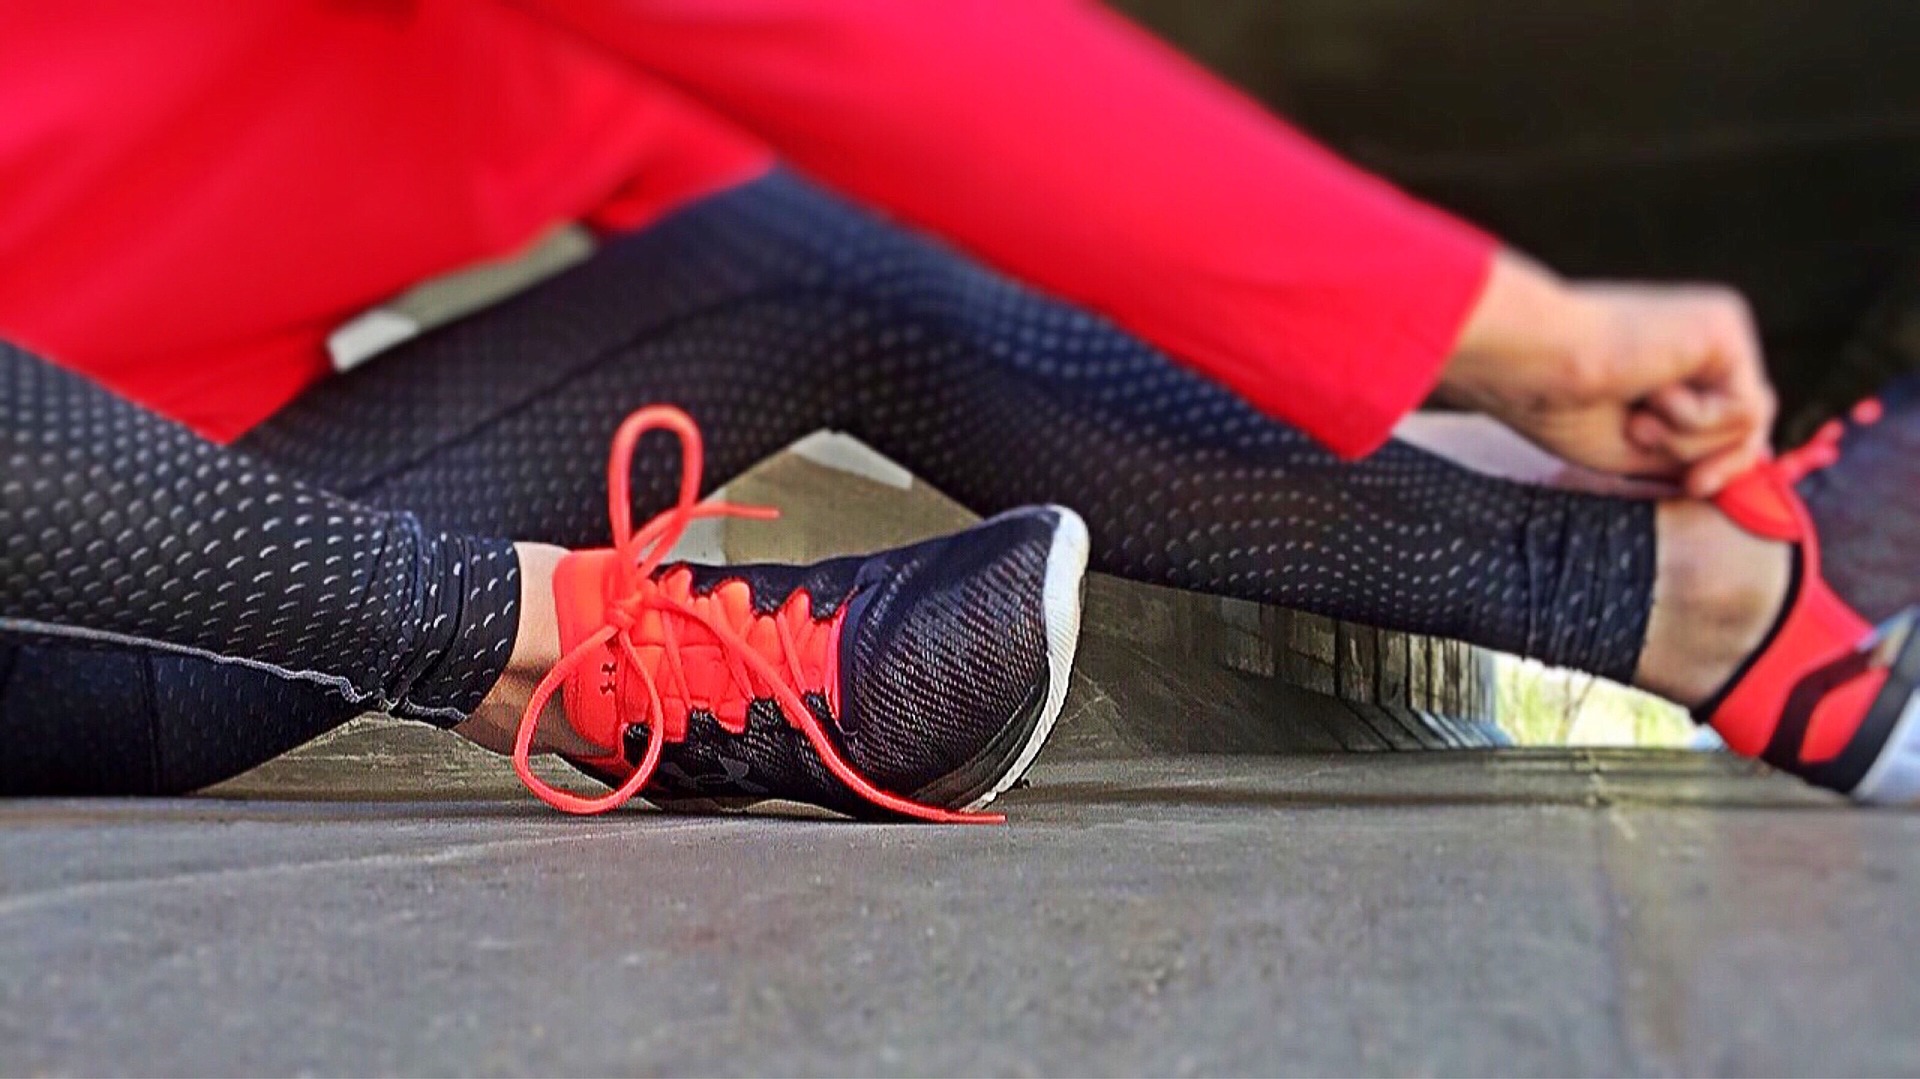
x=1071 y=149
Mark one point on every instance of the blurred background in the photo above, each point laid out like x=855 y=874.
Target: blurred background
x=1773 y=146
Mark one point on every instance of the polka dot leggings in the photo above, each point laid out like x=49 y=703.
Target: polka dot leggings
x=179 y=611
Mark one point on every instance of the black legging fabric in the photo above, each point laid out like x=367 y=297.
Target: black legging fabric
x=172 y=611
x=768 y=312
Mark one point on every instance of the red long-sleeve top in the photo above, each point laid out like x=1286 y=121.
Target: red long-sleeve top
x=193 y=195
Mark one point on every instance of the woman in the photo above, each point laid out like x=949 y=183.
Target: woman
x=1212 y=320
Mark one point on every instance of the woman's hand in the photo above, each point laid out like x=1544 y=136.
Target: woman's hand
x=1635 y=380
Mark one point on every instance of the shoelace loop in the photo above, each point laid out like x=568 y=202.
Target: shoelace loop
x=636 y=594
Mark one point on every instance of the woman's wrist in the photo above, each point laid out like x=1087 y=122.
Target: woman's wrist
x=1529 y=335
x=1630 y=379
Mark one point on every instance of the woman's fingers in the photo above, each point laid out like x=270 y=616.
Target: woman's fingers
x=1687 y=409
x=1709 y=457
x=1706 y=477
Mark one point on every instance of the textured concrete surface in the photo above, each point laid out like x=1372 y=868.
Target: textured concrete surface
x=1461 y=912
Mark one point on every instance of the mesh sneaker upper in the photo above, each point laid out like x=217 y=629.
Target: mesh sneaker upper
x=944 y=650
x=1865 y=508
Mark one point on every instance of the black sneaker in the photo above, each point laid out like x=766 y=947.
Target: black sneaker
x=916 y=682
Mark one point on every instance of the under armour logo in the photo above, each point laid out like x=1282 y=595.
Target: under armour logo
x=608 y=668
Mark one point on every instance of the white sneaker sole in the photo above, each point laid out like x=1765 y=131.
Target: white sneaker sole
x=1894 y=778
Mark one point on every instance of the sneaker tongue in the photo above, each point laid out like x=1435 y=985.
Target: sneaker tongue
x=592 y=697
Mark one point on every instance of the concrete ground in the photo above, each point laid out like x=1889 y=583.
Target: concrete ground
x=381 y=904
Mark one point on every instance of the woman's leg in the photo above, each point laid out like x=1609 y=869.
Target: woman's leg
x=172 y=612
x=220 y=591
x=776 y=310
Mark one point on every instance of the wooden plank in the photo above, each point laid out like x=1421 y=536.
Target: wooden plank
x=1354 y=656
x=1389 y=725
x=1420 y=651
x=1355 y=733
x=1309 y=659
x=1390 y=664
x=1417 y=726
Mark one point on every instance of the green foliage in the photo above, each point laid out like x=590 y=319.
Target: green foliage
x=1547 y=706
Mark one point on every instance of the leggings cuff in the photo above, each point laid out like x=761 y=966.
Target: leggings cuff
x=467 y=598
x=1592 y=562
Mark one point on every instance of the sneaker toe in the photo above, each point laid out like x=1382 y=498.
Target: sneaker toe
x=955 y=659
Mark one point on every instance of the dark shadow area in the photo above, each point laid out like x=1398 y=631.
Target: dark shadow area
x=1772 y=146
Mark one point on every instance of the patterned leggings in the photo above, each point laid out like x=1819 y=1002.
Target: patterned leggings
x=173 y=612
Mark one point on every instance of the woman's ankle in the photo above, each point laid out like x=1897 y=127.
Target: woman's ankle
x=536 y=648
x=1718 y=591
